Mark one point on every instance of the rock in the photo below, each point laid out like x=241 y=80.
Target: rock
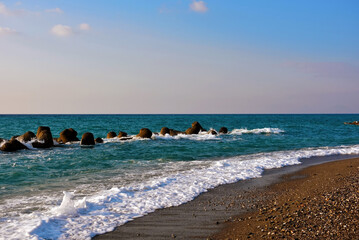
x=190 y=131
x=125 y=138
x=175 y=132
x=195 y=129
x=26 y=137
x=1 y=140
x=98 y=140
x=111 y=135
x=352 y=123
x=14 y=137
x=164 y=131
x=87 y=139
x=212 y=132
x=12 y=146
x=44 y=137
x=223 y=130
x=42 y=128
x=145 y=133
x=197 y=125
x=122 y=134
x=68 y=135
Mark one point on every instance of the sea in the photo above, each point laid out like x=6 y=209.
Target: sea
x=71 y=192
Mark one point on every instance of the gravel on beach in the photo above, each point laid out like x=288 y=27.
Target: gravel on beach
x=319 y=202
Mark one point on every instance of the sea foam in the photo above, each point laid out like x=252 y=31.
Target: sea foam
x=256 y=131
x=104 y=210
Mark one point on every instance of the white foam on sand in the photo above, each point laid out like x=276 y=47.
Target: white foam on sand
x=104 y=210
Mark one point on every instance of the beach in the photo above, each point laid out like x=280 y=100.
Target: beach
x=194 y=119
x=185 y=186
x=317 y=199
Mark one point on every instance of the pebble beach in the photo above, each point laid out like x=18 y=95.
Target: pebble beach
x=319 y=202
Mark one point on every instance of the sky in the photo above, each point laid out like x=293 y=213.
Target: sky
x=179 y=56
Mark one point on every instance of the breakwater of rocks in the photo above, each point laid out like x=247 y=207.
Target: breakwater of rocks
x=44 y=138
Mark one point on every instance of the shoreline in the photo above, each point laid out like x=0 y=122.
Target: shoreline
x=210 y=212
x=318 y=202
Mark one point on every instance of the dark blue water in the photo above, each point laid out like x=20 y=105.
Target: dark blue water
x=35 y=173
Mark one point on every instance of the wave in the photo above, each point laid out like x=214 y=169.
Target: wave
x=257 y=131
x=103 y=211
x=202 y=136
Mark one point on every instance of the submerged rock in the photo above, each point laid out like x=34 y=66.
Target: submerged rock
x=212 y=132
x=87 y=139
x=223 y=130
x=352 y=123
x=44 y=137
x=195 y=129
x=12 y=146
x=121 y=134
x=98 y=140
x=111 y=135
x=175 y=132
x=68 y=135
x=145 y=133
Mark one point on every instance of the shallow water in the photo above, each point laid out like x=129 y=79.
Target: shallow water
x=116 y=181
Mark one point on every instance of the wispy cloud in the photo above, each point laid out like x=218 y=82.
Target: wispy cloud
x=61 y=30
x=337 y=70
x=55 y=10
x=84 y=27
x=7 y=31
x=198 y=6
x=4 y=10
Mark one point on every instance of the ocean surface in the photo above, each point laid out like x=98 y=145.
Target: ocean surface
x=69 y=192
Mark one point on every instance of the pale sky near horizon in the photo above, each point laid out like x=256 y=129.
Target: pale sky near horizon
x=179 y=56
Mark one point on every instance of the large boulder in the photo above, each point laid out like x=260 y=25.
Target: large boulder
x=145 y=133
x=223 y=130
x=87 y=139
x=44 y=137
x=195 y=129
x=42 y=128
x=68 y=135
x=164 y=131
x=26 y=137
x=12 y=146
x=111 y=135
x=98 y=140
x=122 y=134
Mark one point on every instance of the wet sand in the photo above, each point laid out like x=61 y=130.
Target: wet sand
x=258 y=208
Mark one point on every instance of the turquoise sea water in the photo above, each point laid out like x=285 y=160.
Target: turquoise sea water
x=115 y=177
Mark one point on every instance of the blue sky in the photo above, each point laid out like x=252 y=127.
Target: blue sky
x=180 y=56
